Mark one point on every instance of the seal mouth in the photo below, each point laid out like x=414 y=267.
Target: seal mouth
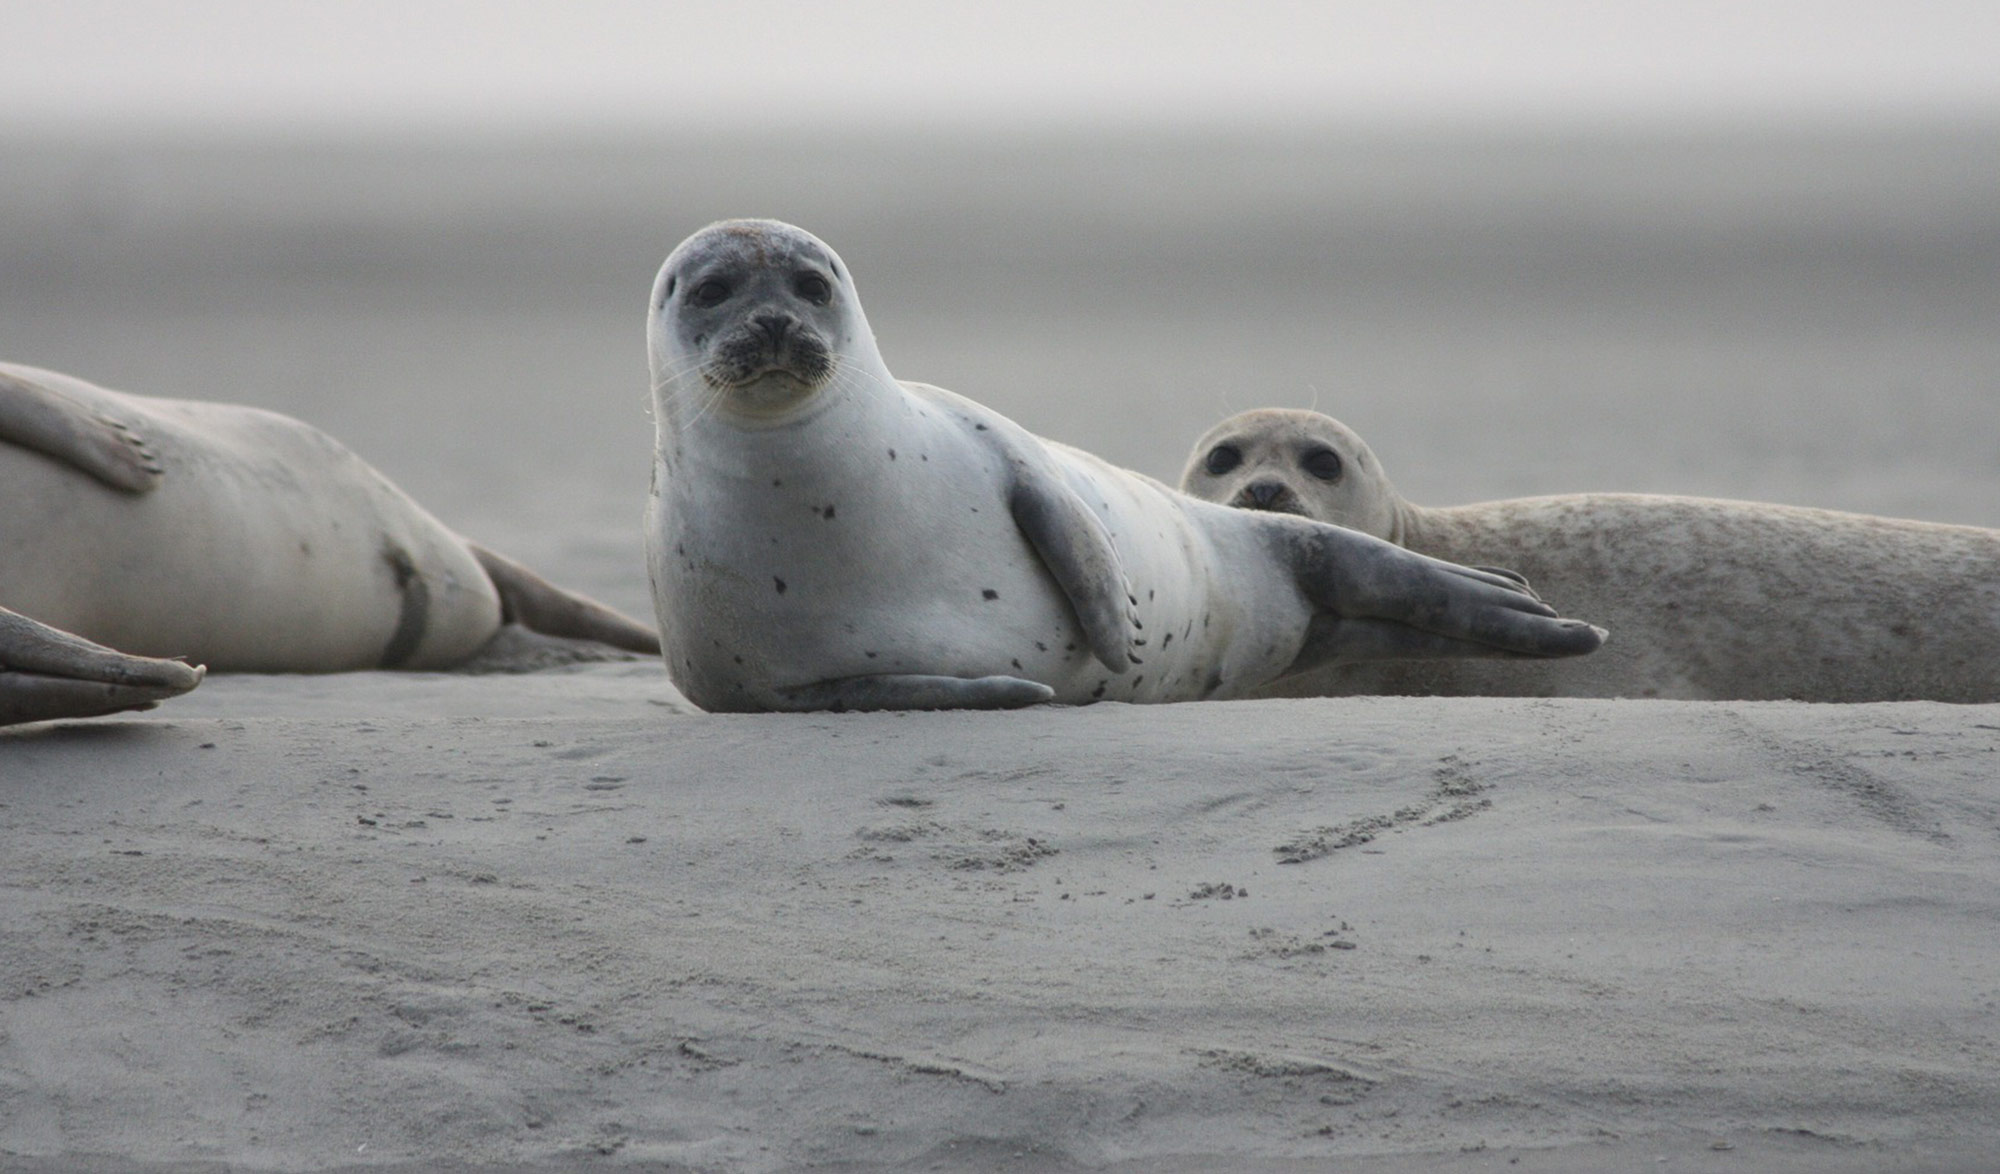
x=769 y=345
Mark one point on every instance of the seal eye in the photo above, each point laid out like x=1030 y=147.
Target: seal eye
x=712 y=292
x=813 y=288
x=1221 y=459
x=1323 y=463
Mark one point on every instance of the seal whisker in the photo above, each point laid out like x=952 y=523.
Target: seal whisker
x=668 y=376
x=848 y=376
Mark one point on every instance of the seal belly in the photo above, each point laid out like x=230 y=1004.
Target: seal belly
x=805 y=570
x=915 y=566
x=1216 y=609
x=266 y=547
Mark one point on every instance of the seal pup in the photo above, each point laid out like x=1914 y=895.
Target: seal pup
x=1709 y=599
x=46 y=673
x=245 y=540
x=822 y=536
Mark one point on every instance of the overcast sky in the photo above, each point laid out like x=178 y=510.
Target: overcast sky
x=496 y=63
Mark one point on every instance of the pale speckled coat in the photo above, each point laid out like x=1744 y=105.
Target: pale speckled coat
x=851 y=540
x=1705 y=599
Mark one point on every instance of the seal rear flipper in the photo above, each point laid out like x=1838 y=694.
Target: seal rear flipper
x=48 y=673
x=911 y=691
x=31 y=697
x=1079 y=554
x=1331 y=639
x=38 y=417
x=538 y=605
x=1514 y=578
x=1381 y=602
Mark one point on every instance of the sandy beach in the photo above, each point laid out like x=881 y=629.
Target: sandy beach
x=561 y=920
x=535 y=921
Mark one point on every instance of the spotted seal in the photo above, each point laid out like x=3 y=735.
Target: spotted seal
x=1708 y=599
x=823 y=536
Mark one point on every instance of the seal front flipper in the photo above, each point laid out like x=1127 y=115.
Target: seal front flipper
x=47 y=673
x=36 y=416
x=1079 y=554
x=911 y=691
x=1066 y=534
x=538 y=605
x=1378 y=601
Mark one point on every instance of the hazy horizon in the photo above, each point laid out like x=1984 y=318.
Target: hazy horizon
x=243 y=66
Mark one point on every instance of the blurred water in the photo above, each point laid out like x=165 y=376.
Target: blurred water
x=1806 y=315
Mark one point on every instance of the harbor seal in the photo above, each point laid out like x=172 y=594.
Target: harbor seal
x=245 y=540
x=45 y=673
x=822 y=536
x=1708 y=599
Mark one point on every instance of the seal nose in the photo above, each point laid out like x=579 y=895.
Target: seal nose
x=773 y=327
x=1263 y=493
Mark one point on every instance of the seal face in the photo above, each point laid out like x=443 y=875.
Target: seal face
x=821 y=535
x=758 y=307
x=1298 y=463
x=1711 y=600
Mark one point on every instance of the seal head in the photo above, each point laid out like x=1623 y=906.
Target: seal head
x=757 y=309
x=1286 y=461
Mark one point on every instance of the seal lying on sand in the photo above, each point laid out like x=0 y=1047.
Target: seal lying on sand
x=824 y=537
x=1709 y=600
x=45 y=674
x=244 y=540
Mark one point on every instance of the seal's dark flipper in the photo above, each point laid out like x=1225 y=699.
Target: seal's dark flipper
x=1079 y=555
x=1378 y=601
x=538 y=605
x=1068 y=537
x=911 y=691
x=1331 y=639
x=1513 y=577
x=31 y=697
x=48 y=673
x=36 y=416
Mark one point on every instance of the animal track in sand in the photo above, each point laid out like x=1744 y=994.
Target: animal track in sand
x=1454 y=795
x=956 y=846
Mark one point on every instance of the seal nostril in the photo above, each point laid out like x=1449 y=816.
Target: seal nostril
x=773 y=326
